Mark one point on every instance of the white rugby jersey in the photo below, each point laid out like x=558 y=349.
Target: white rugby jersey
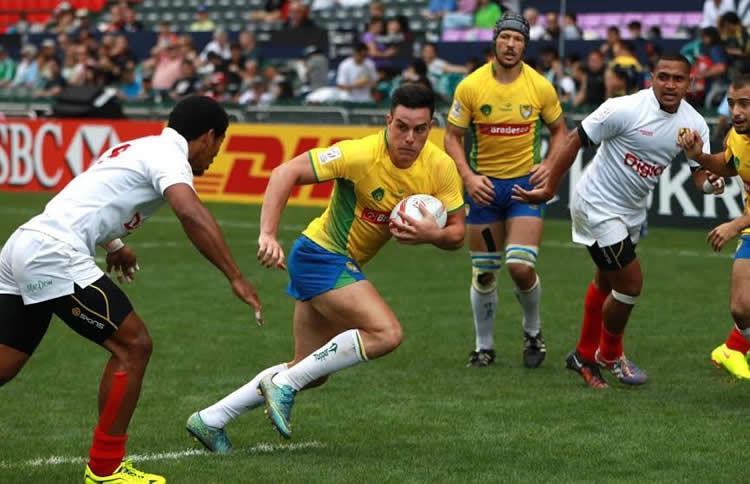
x=638 y=141
x=122 y=189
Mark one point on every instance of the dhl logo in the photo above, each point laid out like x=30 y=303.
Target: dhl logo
x=251 y=152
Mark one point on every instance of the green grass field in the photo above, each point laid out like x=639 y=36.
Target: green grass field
x=417 y=415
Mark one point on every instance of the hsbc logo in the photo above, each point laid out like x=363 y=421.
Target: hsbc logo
x=91 y=140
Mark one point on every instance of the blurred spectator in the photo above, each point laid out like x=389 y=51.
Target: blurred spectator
x=233 y=68
x=626 y=62
x=635 y=30
x=712 y=10
x=486 y=14
x=462 y=18
x=436 y=9
x=130 y=88
x=130 y=21
x=313 y=69
x=7 y=68
x=375 y=40
x=552 y=22
x=416 y=72
x=168 y=68
x=709 y=70
x=165 y=35
x=569 y=80
x=82 y=20
x=27 y=70
x=570 y=29
x=248 y=46
x=116 y=19
x=281 y=90
x=77 y=74
x=256 y=94
x=297 y=16
x=21 y=26
x=147 y=90
x=654 y=33
x=51 y=81
x=62 y=20
x=356 y=75
x=613 y=37
x=397 y=32
x=549 y=64
x=217 y=88
x=376 y=10
x=219 y=45
x=436 y=66
x=318 y=5
x=536 y=31
x=735 y=38
x=593 y=89
x=273 y=11
x=188 y=83
x=615 y=82
x=353 y=3
x=202 y=21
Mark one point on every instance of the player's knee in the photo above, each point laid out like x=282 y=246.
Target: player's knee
x=484 y=267
x=392 y=336
x=522 y=274
x=139 y=348
x=521 y=260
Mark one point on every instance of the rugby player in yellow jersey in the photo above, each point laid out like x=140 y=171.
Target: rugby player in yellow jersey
x=734 y=161
x=340 y=320
x=503 y=104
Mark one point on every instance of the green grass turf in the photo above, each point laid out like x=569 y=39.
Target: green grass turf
x=418 y=414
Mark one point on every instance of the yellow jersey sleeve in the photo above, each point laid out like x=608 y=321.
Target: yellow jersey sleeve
x=460 y=112
x=728 y=153
x=551 y=109
x=345 y=159
x=449 y=186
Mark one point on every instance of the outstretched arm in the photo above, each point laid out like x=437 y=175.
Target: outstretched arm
x=205 y=234
x=692 y=143
x=297 y=171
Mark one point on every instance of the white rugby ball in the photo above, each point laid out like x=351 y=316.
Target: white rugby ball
x=410 y=206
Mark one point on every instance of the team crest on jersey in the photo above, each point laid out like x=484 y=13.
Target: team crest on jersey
x=486 y=109
x=378 y=194
x=526 y=111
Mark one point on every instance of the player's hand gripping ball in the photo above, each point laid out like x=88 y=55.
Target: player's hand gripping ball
x=410 y=206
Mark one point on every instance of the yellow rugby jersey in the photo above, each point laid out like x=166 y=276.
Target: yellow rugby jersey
x=738 y=152
x=368 y=185
x=505 y=119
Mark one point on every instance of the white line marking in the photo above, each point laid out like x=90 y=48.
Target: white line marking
x=262 y=448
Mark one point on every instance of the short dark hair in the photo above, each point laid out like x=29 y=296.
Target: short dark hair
x=196 y=115
x=413 y=96
x=674 y=57
x=740 y=80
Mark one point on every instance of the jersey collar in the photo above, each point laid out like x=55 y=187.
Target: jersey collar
x=177 y=139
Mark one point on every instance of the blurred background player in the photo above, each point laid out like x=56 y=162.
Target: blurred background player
x=504 y=103
x=340 y=319
x=731 y=355
x=638 y=136
x=47 y=265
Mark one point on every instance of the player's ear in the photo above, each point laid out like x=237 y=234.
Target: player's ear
x=388 y=118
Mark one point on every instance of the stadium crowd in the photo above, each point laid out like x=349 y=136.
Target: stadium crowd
x=85 y=50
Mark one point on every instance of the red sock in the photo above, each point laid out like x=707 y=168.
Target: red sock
x=106 y=452
x=610 y=345
x=736 y=341
x=592 y=322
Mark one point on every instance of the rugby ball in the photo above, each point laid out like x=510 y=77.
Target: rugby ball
x=410 y=206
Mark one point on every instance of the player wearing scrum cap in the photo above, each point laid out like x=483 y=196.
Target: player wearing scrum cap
x=735 y=160
x=638 y=139
x=503 y=104
x=340 y=319
x=47 y=265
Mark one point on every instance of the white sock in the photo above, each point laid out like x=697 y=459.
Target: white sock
x=344 y=350
x=530 y=300
x=484 y=305
x=238 y=402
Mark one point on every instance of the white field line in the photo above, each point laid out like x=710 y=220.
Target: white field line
x=263 y=448
x=556 y=244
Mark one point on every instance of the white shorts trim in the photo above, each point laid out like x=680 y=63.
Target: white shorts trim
x=40 y=268
x=593 y=225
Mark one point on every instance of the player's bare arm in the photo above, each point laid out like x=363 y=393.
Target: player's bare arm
x=427 y=231
x=725 y=232
x=692 y=144
x=707 y=182
x=205 y=234
x=297 y=171
x=546 y=178
x=477 y=186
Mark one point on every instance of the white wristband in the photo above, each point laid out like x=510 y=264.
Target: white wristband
x=708 y=187
x=114 y=245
